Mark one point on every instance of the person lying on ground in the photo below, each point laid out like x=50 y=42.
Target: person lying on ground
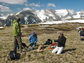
x=33 y=39
x=61 y=43
x=40 y=48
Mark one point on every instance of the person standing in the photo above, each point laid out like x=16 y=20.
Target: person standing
x=17 y=34
x=61 y=43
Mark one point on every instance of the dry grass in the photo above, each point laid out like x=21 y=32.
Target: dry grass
x=73 y=52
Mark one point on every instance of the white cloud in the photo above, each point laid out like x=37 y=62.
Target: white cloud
x=4 y=9
x=27 y=9
x=51 y=4
x=14 y=1
x=33 y=4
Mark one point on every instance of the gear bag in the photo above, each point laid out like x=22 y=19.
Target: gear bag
x=48 y=42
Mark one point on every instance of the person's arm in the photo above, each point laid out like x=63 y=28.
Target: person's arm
x=30 y=39
x=55 y=40
x=36 y=39
x=17 y=26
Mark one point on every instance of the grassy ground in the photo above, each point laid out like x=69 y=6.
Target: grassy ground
x=73 y=52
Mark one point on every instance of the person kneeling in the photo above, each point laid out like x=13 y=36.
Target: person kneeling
x=33 y=39
x=61 y=43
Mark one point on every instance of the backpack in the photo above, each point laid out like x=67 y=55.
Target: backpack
x=23 y=46
x=52 y=46
x=12 y=55
x=48 y=42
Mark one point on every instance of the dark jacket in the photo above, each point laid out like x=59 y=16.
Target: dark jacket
x=61 y=41
x=82 y=33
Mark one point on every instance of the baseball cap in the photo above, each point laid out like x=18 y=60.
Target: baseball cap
x=33 y=32
x=60 y=32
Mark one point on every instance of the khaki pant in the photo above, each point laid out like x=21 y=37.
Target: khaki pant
x=17 y=40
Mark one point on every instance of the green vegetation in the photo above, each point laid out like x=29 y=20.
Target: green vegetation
x=1 y=48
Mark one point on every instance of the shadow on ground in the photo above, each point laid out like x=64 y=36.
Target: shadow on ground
x=69 y=50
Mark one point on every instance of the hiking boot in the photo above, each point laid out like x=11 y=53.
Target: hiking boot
x=33 y=48
x=29 y=49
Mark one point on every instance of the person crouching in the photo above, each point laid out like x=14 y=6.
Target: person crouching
x=33 y=39
x=61 y=43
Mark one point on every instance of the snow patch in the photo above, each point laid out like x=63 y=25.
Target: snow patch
x=3 y=17
x=77 y=15
x=18 y=13
x=67 y=21
x=1 y=27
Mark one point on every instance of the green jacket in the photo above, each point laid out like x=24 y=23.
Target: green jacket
x=16 y=28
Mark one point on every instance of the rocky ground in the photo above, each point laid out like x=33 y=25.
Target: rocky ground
x=73 y=52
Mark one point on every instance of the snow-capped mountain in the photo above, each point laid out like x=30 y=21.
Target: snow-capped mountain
x=30 y=16
x=50 y=15
x=2 y=16
x=65 y=13
x=27 y=17
x=5 y=16
x=82 y=13
x=77 y=15
x=46 y=15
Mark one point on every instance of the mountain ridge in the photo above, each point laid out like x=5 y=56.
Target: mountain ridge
x=30 y=16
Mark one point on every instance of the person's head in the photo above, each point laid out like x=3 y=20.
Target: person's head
x=18 y=19
x=60 y=33
x=33 y=32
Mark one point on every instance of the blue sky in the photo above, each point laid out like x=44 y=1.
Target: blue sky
x=12 y=6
